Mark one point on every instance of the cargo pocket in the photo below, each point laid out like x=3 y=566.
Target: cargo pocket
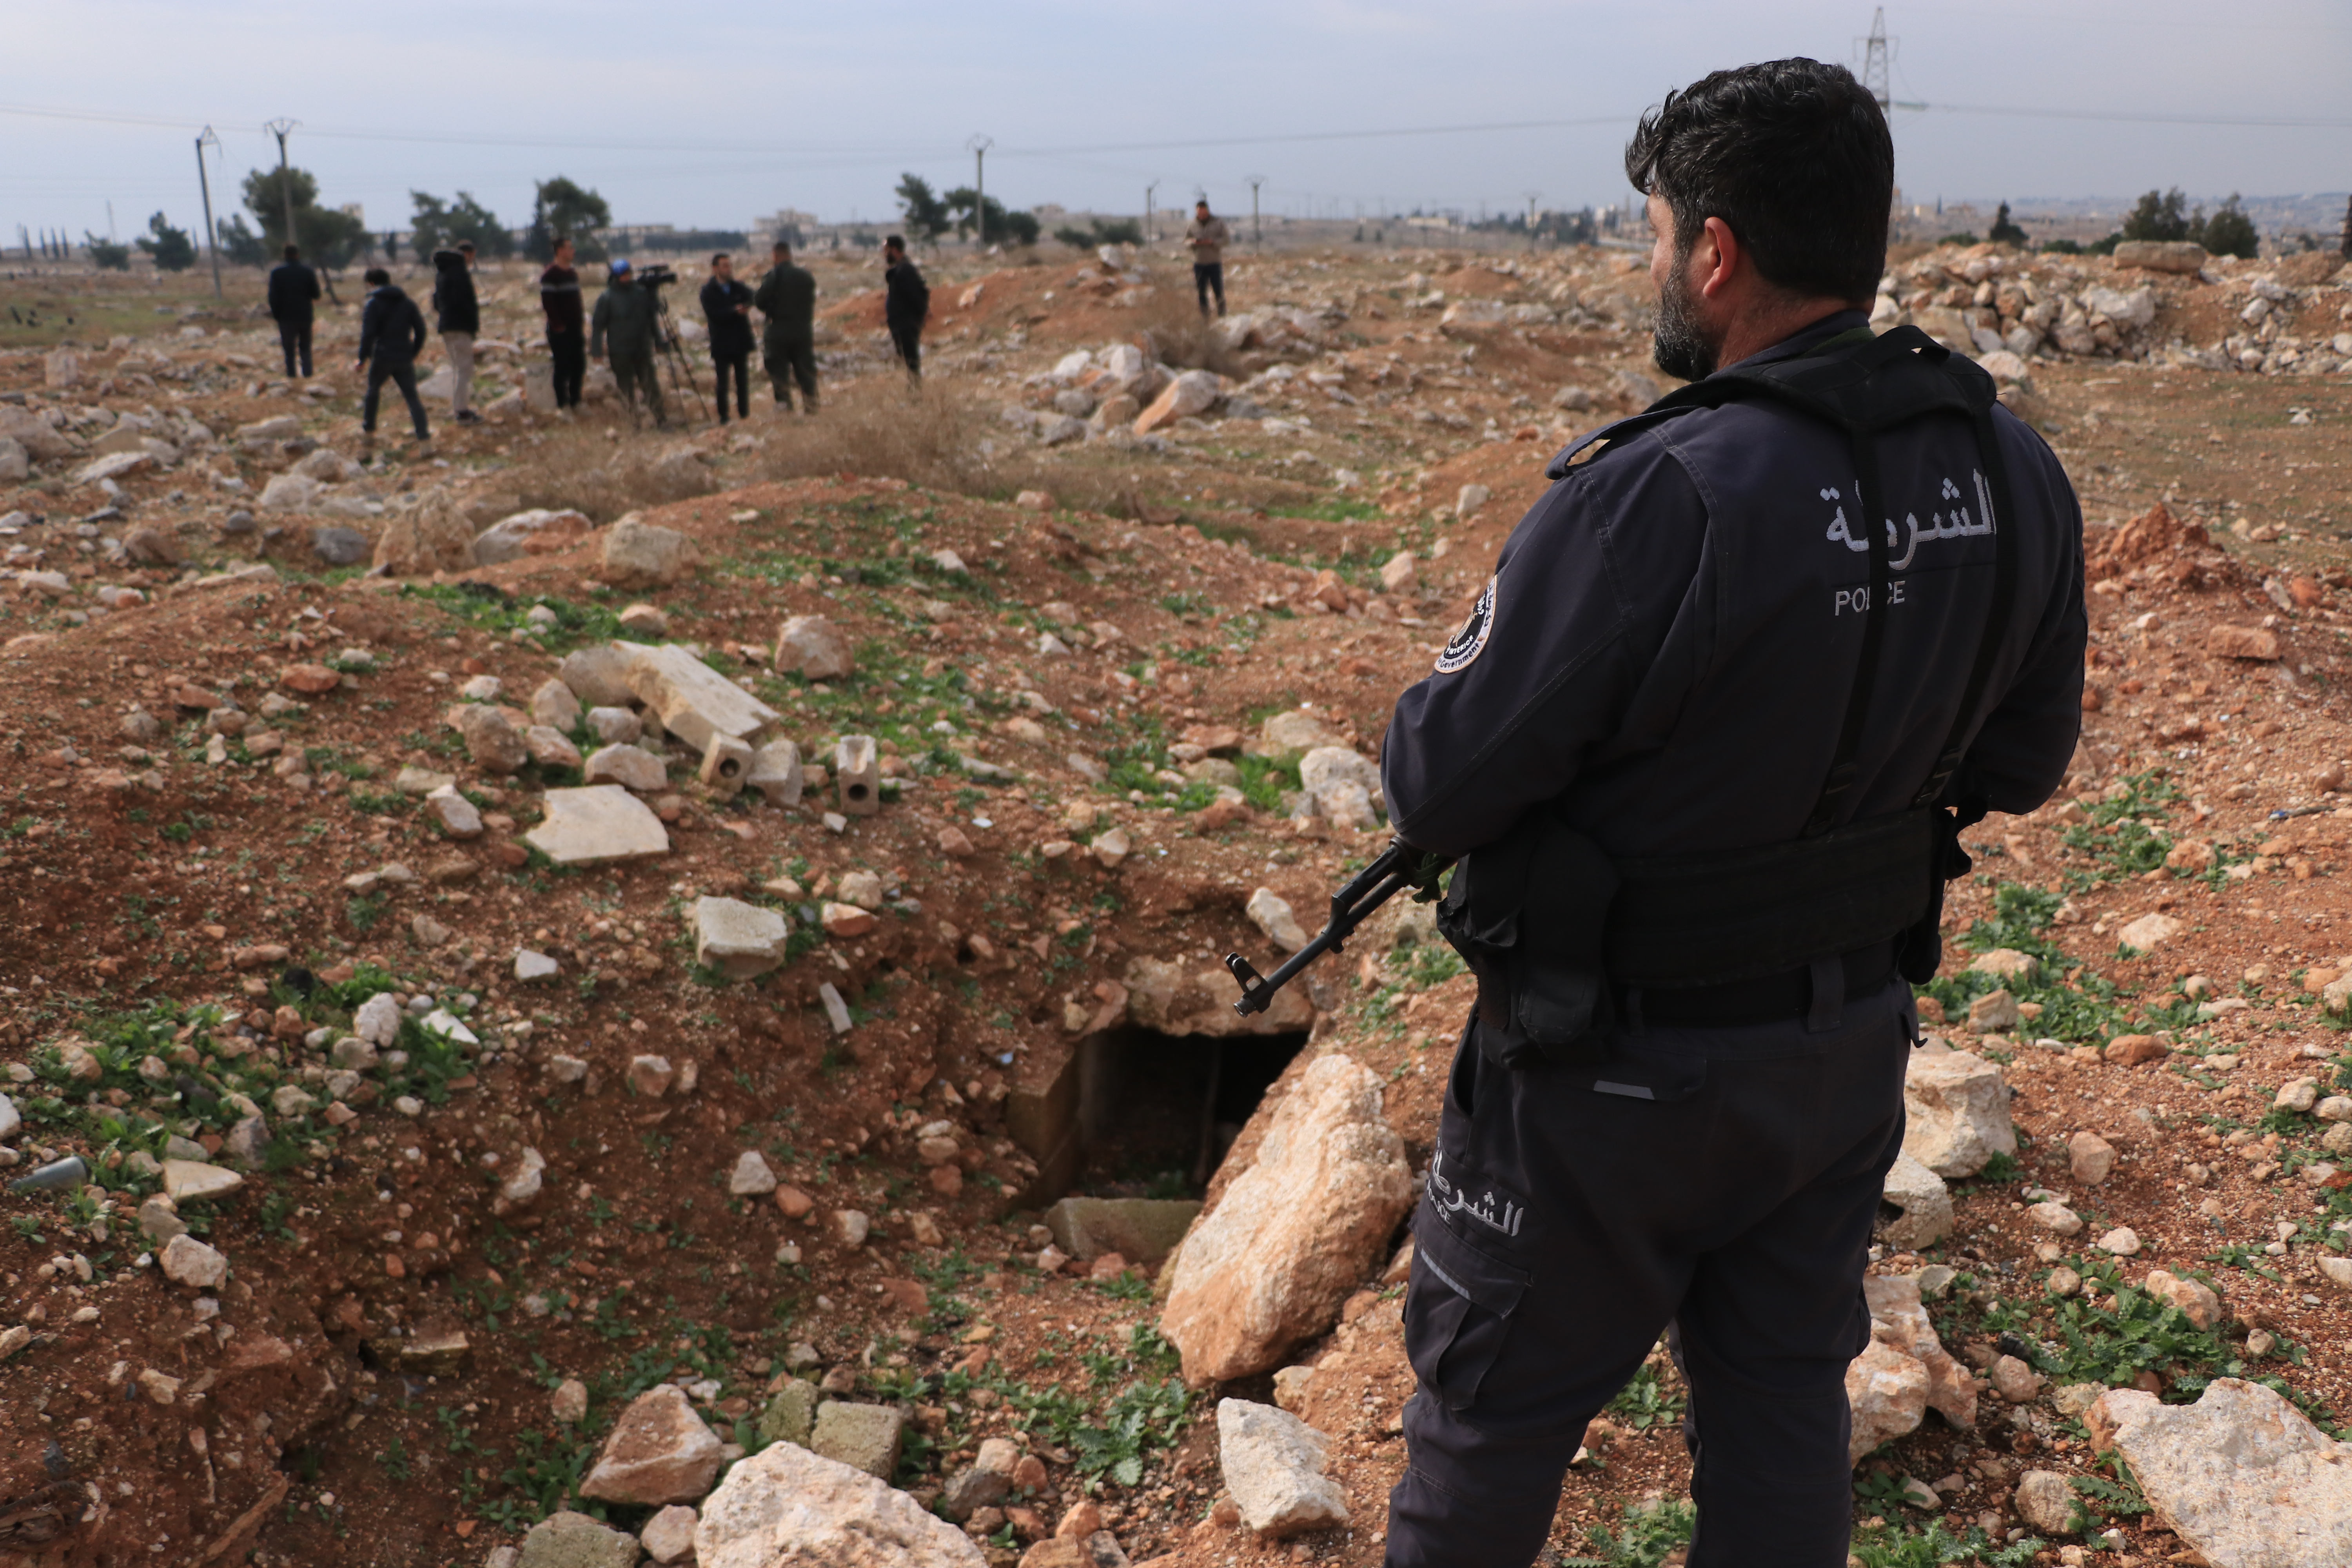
x=1459 y=1312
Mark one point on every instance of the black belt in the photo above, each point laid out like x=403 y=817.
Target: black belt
x=1770 y=1000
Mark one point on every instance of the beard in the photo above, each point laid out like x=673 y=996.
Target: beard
x=1676 y=342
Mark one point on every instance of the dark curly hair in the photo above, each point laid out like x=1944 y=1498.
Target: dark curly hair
x=1794 y=157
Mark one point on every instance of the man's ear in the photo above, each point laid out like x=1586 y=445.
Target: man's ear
x=1716 y=258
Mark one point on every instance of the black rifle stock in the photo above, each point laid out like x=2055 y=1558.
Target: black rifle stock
x=1399 y=866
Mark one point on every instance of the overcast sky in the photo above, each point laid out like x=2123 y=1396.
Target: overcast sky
x=707 y=114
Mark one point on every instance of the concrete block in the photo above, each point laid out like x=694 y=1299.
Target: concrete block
x=726 y=763
x=858 y=776
x=776 y=772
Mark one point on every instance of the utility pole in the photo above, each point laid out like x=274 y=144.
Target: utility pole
x=1874 y=62
x=1150 y=235
x=1531 y=196
x=279 y=128
x=979 y=145
x=1257 y=234
x=204 y=183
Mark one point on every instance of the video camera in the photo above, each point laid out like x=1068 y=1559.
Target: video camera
x=656 y=276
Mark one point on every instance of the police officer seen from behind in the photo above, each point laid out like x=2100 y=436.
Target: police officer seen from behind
x=626 y=321
x=787 y=297
x=906 y=303
x=1704 y=746
x=727 y=308
x=457 y=312
x=293 y=291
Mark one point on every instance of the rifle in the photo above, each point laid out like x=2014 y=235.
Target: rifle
x=1399 y=866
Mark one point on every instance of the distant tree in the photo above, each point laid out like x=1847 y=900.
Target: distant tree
x=2347 y=248
x=2062 y=248
x=392 y=245
x=563 y=209
x=240 y=244
x=2158 y=216
x=1021 y=229
x=2229 y=232
x=1963 y=237
x=1125 y=231
x=328 y=237
x=105 y=255
x=926 y=216
x=2004 y=232
x=439 y=225
x=172 y=249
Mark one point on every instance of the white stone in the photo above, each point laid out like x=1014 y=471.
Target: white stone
x=2240 y=1475
x=599 y=823
x=1926 y=1205
x=785 y=1507
x=693 y=701
x=631 y=767
x=524 y=1182
x=1273 y=1464
x=187 y=1261
x=1271 y=913
x=2149 y=931
x=187 y=1180
x=1957 y=1110
x=812 y=646
x=737 y=939
x=669 y=1536
x=530 y=965
x=378 y=1020
x=750 y=1175
x=456 y=814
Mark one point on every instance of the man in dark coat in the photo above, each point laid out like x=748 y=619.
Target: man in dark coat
x=787 y=298
x=727 y=306
x=392 y=334
x=567 y=326
x=906 y=301
x=292 y=288
x=457 y=314
x=626 y=320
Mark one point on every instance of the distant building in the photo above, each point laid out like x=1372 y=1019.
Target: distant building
x=788 y=226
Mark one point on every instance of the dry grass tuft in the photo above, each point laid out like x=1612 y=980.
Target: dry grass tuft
x=1180 y=334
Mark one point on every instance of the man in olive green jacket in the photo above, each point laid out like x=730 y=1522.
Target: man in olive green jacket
x=787 y=297
x=625 y=323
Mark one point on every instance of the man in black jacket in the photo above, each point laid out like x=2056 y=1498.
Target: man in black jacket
x=392 y=334
x=458 y=315
x=906 y=301
x=1829 y=595
x=787 y=297
x=567 y=326
x=727 y=306
x=292 y=287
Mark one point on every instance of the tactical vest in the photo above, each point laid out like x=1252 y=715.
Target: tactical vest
x=1567 y=942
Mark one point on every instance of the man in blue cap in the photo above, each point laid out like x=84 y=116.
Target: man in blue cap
x=625 y=323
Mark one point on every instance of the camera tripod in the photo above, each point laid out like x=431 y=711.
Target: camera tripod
x=671 y=349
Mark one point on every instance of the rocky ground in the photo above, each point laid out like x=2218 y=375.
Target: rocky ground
x=465 y=1077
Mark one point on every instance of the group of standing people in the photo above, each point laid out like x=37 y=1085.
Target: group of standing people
x=391 y=331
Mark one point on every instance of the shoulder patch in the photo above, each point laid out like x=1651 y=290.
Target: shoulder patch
x=1462 y=650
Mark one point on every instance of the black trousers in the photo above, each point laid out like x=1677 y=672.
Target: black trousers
x=401 y=373
x=738 y=366
x=906 y=339
x=792 y=361
x=1208 y=274
x=1720 y=1183
x=294 y=337
x=638 y=375
x=569 y=351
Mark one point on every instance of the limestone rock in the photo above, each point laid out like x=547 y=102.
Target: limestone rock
x=863 y=1436
x=187 y=1261
x=1142 y=1230
x=419 y=543
x=1887 y=1391
x=1177 y=998
x=2195 y=1299
x=640 y=555
x=2241 y=1475
x=599 y=823
x=750 y=1175
x=2151 y=931
x=2091 y=1157
x=669 y=1536
x=1958 y=1110
x=568 y=1540
x=188 y=1180
x=631 y=767
x=2243 y=642
x=1271 y=913
x=693 y=701
x=791 y=1415
x=1926 y=1206
x=1273 y=1464
x=1344 y=785
x=491 y=739
x=659 y=1452
x=812 y=646
x=555 y=705
x=1898 y=1319
x=598 y=676
x=1296 y=1233
x=737 y=939
x=2184 y=256
x=785 y=1507
x=531 y=532
x=2047 y=1503
x=1293 y=735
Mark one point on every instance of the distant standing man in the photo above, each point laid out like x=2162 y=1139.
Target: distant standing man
x=1208 y=238
x=292 y=287
x=624 y=320
x=392 y=334
x=727 y=306
x=567 y=326
x=907 y=301
x=457 y=314
x=787 y=298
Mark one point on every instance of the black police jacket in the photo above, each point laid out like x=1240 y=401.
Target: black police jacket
x=906 y=298
x=1667 y=643
x=292 y=287
x=391 y=329
x=731 y=329
x=456 y=308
